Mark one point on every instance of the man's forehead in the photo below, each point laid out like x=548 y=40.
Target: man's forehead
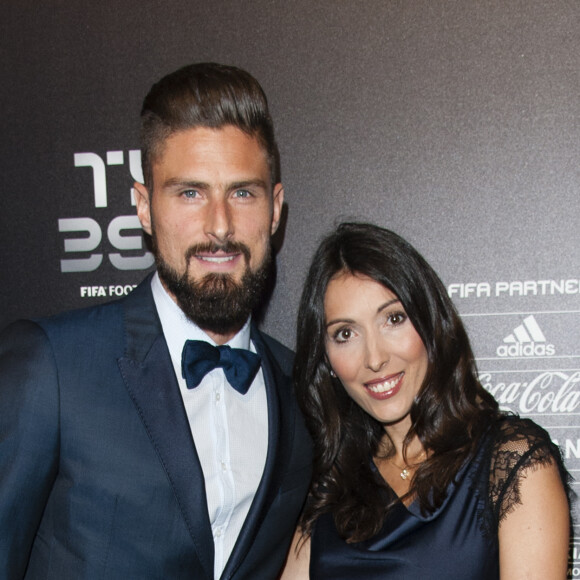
x=227 y=134
x=214 y=157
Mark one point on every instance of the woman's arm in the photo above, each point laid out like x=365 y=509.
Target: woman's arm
x=298 y=560
x=534 y=536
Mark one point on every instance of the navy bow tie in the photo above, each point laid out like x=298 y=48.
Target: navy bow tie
x=199 y=358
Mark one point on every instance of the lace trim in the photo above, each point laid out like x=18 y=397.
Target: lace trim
x=512 y=448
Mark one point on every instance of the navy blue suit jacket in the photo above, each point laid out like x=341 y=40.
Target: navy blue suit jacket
x=99 y=476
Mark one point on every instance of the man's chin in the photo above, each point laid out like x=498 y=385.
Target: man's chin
x=216 y=287
x=202 y=277
x=217 y=303
x=199 y=269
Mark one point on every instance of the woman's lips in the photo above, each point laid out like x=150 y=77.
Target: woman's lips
x=385 y=387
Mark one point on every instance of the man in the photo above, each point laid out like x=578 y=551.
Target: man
x=126 y=450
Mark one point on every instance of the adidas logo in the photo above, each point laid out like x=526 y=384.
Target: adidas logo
x=527 y=339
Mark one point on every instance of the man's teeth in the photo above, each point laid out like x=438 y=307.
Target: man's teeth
x=217 y=259
x=384 y=387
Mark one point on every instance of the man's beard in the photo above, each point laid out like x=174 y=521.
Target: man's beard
x=216 y=302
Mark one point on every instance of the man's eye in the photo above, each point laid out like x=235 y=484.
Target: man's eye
x=242 y=193
x=190 y=193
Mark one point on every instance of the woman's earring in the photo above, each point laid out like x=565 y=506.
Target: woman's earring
x=332 y=374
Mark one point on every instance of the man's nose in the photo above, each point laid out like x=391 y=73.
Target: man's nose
x=218 y=220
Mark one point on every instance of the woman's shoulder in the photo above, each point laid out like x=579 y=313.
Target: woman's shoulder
x=519 y=437
x=514 y=447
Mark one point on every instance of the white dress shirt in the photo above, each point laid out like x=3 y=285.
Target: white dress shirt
x=230 y=430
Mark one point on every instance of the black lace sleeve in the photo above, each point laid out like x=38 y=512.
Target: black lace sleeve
x=515 y=447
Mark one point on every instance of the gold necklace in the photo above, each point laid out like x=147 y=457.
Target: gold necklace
x=405 y=471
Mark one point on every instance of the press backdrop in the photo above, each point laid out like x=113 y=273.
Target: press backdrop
x=454 y=123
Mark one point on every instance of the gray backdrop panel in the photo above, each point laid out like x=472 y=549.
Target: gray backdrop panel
x=454 y=123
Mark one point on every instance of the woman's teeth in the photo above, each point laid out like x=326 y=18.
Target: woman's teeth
x=385 y=386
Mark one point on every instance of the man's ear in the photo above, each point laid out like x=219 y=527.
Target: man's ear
x=142 y=199
x=278 y=202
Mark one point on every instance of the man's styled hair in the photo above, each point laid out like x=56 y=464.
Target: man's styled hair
x=205 y=95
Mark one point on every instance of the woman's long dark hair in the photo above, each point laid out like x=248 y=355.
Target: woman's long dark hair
x=449 y=414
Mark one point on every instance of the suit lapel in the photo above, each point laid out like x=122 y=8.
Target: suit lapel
x=150 y=379
x=279 y=448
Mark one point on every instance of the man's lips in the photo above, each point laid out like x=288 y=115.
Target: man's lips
x=385 y=387
x=219 y=261
x=217 y=258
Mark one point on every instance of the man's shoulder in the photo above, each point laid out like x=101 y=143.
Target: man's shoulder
x=89 y=320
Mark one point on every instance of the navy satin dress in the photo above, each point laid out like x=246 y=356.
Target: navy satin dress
x=459 y=540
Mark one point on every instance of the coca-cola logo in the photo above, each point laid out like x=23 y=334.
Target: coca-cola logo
x=546 y=392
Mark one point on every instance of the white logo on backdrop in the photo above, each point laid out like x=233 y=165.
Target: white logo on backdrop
x=84 y=246
x=527 y=339
x=514 y=289
x=550 y=391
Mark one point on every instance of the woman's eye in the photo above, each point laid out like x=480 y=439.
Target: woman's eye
x=396 y=318
x=343 y=335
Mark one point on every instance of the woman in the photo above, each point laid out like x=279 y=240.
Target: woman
x=417 y=475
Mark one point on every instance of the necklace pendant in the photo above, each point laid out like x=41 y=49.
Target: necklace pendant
x=404 y=473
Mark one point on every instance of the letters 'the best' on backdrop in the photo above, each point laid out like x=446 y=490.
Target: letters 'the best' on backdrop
x=455 y=124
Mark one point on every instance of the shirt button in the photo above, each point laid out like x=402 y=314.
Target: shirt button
x=218 y=533
x=217 y=397
x=224 y=466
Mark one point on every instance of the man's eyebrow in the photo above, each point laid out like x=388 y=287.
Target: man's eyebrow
x=193 y=184
x=180 y=182
x=248 y=183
